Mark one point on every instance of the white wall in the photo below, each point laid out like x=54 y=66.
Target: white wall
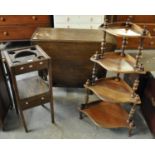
x=78 y=21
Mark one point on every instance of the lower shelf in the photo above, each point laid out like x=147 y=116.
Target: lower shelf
x=31 y=86
x=107 y=115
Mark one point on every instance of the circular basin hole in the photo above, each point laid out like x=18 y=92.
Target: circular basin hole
x=40 y=57
x=33 y=48
x=11 y=52
x=24 y=54
x=16 y=61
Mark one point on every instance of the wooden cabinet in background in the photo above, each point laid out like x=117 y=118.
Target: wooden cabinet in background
x=5 y=99
x=17 y=27
x=142 y=20
x=148 y=106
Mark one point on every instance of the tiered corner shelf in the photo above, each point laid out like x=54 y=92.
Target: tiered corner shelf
x=107 y=115
x=114 y=62
x=125 y=29
x=114 y=92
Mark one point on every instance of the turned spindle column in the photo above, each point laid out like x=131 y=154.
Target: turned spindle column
x=103 y=43
x=139 y=66
x=94 y=77
x=133 y=109
x=83 y=106
x=131 y=114
x=124 y=43
x=135 y=87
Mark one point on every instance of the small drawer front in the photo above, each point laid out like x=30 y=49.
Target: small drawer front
x=16 y=33
x=24 y=20
x=31 y=67
x=35 y=101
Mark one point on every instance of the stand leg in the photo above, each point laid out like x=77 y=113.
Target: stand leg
x=52 y=111
x=3 y=127
x=83 y=105
x=23 y=120
x=81 y=114
x=130 y=119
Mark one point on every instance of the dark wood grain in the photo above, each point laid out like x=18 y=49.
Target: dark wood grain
x=70 y=50
x=114 y=62
x=17 y=27
x=112 y=90
x=23 y=20
x=107 y=115
x=141 y=20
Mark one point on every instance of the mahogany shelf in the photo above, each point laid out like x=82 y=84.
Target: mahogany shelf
x=122 y=29
x=107 y=115
x=114 y=62
x=31 y=86
x=113 y=90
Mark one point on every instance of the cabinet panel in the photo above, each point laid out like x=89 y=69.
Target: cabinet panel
x=136 y=18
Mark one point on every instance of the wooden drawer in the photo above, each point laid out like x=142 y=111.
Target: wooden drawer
x=16 y=33
x=31 y=67
x=133 y=43
x=35 y=101
x=24 y=20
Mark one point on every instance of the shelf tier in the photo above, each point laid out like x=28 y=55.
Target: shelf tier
x=113 y=90
x=31 y=86
x=107 y=115
x=114 y=62
x=120 y=29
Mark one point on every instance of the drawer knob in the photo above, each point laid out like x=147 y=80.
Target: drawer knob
x=30 y=66
x=34 y=17
x=21 y=68
x=26 y=103
x=42 y=98
x=41 y=63
x=5 y=33
x=152 y=43
x=153 y=101
x=2 y=19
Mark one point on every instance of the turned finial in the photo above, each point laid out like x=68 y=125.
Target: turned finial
x=127 y=23
x=97 y=56
x=87 y=82
x=137 y=98
x=144 y=31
